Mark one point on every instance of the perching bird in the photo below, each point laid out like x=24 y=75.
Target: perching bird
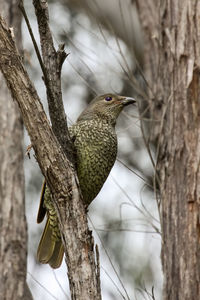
x=95 y=144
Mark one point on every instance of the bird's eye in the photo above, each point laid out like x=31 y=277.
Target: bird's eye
x=108 y=98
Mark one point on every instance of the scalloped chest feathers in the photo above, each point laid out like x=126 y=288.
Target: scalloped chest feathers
x=96 y=149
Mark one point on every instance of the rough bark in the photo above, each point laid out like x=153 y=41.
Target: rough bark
x=177 y=81
x=13 y=228
x=59 y=174
x=52 y=64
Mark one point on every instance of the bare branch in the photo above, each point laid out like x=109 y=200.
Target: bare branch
x=53 y=61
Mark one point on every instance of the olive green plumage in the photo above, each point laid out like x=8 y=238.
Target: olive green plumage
x=95 y=144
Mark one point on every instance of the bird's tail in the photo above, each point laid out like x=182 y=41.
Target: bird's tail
x=50 y=250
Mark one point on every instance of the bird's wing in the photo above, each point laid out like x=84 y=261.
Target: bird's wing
x=42 y=209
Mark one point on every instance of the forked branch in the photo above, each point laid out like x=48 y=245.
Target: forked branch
x=59 y=174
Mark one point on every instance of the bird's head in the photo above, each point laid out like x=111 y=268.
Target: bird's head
x=106 y=107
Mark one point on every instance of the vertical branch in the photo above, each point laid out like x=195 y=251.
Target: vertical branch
x=149 y=16
x=53 y=61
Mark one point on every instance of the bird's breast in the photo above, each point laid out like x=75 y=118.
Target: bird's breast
x=96 y=150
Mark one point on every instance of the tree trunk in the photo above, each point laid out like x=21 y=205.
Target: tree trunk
x=13 y=228
x=177 y=94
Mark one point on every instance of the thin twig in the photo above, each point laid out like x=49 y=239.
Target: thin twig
x=60 y=286
x=138 y=175
x=21 y=7
x=113 y=283
x=42 y=286
x=112 y=265
x=98 y=268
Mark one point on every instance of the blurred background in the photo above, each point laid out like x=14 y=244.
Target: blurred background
x=105 y=46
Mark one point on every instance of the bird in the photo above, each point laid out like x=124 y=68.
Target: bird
x=95 y=143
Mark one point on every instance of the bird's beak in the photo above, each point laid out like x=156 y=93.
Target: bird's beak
x=127 y=100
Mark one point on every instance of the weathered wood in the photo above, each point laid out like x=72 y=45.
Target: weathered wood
x=59 y=174
x=52 y=64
